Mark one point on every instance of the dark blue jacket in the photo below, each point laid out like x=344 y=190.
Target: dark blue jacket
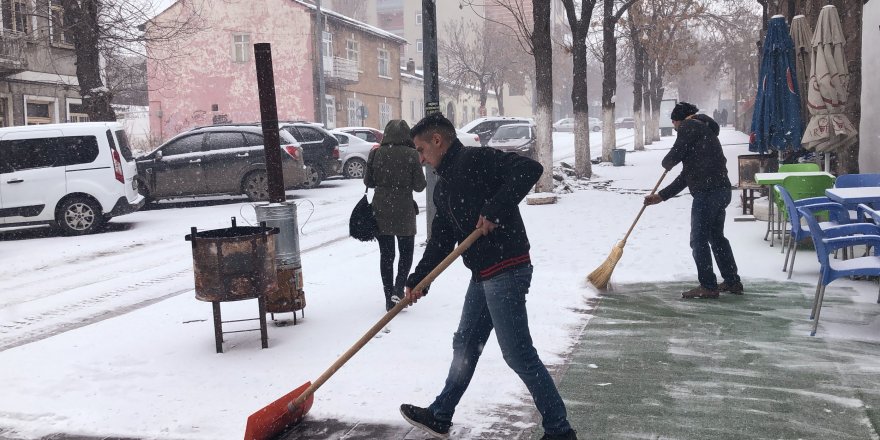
x=474 y=182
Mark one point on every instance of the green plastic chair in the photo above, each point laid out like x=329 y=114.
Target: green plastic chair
x=792 y=168
x=798 y=168
x=806 y=187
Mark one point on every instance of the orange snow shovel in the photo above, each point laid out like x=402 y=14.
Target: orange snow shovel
x=290 y=409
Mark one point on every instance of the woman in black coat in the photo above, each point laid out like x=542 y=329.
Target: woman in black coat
x=394 y=170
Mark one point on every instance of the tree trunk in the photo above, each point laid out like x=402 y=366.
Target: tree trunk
x=580 y=104
x=646 y=100
x=85 y=32
x=543 y=53
x=609 y=80
x=638 y=80
x=499 y=97
x=851 y=20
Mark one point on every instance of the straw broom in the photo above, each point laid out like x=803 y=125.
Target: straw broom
x=602 y=274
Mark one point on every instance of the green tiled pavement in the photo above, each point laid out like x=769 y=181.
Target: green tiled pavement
x=650 y=365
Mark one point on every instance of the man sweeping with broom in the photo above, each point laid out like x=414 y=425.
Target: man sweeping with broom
x=704 y=173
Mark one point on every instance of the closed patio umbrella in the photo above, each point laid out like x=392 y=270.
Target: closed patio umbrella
x=829 y=128
x=776 y=122
x=801 y=36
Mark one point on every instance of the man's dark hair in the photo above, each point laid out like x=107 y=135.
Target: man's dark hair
x=434 y=123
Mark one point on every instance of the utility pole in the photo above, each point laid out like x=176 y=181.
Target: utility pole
x=319 y=35
x=432 y=92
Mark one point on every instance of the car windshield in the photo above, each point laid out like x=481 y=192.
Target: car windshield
x=508 y=132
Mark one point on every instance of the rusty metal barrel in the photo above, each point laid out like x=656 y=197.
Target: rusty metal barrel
x=234 y=263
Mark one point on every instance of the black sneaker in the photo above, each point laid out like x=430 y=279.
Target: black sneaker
x=735 y=288
x=423 y=419
x=570 y=435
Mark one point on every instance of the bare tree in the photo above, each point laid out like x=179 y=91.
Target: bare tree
x=471 y=62
x=609 y=74
x=579 y=25
x=532 y=30
x=542 y=49
x=104 y=29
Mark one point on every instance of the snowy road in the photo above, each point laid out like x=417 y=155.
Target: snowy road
x=63 y=283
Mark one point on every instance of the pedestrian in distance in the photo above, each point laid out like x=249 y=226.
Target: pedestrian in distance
x=724 y=117
x=704 y=173
x=480 y=188
x=394 y=171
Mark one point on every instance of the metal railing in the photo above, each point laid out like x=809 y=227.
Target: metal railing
x=12 y=51
x=340 y=68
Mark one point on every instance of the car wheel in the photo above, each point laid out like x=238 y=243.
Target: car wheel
x=256 y=186
x=79 y=216
x=313 y=176
x=354 y=168
x=597 y=128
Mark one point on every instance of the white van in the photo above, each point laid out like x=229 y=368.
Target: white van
x=75 y=176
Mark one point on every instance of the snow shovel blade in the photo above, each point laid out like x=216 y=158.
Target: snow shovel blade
x=275 y=417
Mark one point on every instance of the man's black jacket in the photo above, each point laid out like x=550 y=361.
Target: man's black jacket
x=474 y=182
x=704 y=167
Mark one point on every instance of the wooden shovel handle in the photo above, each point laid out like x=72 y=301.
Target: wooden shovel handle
x=384 y=321
x=662 y=176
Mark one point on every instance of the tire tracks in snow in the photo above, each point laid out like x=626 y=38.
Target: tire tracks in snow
x=60 y=318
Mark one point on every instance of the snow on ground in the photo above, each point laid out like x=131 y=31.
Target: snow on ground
x=102 y=335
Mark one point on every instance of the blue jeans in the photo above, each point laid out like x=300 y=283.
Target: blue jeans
x=500 y=303
x=707 y=230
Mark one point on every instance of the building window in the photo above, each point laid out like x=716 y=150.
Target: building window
x=241 y=48
x=330 y=106
x=58 y=31
x=384 y=64
x=421 y=108
x=76 y=112
x=38 y=112
x=328 y=44
x=15 y=16
x=418 y=18
x=419 y=45
x=384 y=114
x=412 y=110
x=353 y=51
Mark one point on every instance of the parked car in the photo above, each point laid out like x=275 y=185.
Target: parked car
x=625 y=123
x=567 y=124
x=74 y=176
x=485 y=127
x=564 y=124
x=353 y=152
x=516 y=138
x=320 y=151
x=468 y=139
x=366 y=133
x=217 y=159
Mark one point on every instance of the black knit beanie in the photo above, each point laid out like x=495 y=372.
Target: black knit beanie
x=682 y=110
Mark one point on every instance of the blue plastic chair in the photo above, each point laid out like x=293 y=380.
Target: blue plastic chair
x=829 y=240
x=796 y=233
x=857 y=180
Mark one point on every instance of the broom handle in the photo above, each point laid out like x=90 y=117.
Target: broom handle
x=384 y=321
x=662 y=176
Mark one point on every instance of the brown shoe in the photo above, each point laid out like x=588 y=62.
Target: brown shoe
x=700 y=292
x=735 y=288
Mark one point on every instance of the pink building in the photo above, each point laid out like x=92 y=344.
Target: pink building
x=210 y=77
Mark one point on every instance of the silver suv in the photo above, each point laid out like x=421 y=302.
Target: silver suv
x=485 y=127
x=217 y=159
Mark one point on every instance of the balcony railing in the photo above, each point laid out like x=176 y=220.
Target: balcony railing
x=340 y=69
x=13 y=57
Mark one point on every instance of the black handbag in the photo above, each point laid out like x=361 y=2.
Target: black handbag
x=416 y=207
x=362 y=224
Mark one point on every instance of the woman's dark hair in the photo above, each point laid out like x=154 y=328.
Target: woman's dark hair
x=434 y=123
